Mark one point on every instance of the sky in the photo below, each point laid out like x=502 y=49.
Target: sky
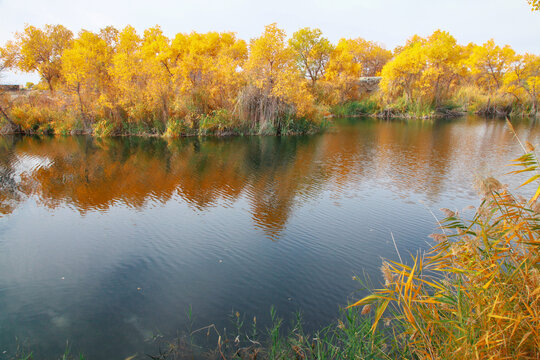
x=389 y=22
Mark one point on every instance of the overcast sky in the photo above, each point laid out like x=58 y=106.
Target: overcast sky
x=389 y=22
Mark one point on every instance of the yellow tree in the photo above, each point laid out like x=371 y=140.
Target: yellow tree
x=344 y=70
x=85 y=69
x=141 y=71
x=401 y=76
x=207 y=69
x=127 y=71
x=371 y=55
x=157 y=70
x=312 y=52
x=535 y=4
x=413 y=40
x=444 y=66
x=280 y=88
x=110 y=35
x=268 y=57
x=425 y=69
x=523 y=78
x=352 y=59
x=488 y=64
x=38 y=50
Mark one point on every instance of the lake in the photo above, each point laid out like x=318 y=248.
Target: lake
x=108 y=242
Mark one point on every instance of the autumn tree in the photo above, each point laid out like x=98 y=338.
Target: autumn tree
x=402 y=75
x=207 y=69
x=444 y=68
x=535 y=4
x=312 y=52
x=488 y=64
x=127 y=71
x=11 y=126
x=371 y=55
x=157 y=66
x=38 y=50
x=268 y=58
x=280 y=88
x=343 y=72
x=85 y=68
x=109 y=34
x=523 y=78
x=425 y=69
x=351 y=60
x=413 y=40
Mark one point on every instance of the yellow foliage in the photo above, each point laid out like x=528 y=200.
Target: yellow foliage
x=126 y=69
x=425 y=69
x=312 y=52
x=148 y=82
x=523 y=79
x=271 y=67
x=268 y=57
x=40 y=119
x=85 y=69
x=344 y=71
x=489 y=63
x=38 y=50
x=207 y=68
x=350 y=60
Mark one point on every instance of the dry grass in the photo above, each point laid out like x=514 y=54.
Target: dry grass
x=477 y=101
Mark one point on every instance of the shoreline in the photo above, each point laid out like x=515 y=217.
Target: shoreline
x=317 y=129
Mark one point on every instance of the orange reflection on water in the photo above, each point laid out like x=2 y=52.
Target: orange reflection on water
x=272 y=173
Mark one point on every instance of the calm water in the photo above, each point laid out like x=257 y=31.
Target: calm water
x=106 y=242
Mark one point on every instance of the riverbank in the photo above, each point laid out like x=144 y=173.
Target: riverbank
x=117 y=82
x=51 y=119
x=349 y=337
x=411 y=110
x=32 y=120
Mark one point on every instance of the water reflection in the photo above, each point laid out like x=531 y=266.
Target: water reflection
x=85 y=223
x=272 y=173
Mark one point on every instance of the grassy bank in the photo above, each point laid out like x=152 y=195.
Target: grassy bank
x=468 y=101
x=39 y=113
x=349 y=337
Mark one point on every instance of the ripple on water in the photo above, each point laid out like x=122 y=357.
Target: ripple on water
x=111 y=244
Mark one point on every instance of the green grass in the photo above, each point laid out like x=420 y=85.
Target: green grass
x=23 y=353
x=356 y=108
x=349 y=337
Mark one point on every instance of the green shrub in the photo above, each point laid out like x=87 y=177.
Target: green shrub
x=355 y=108
x=215 y=122
x=103 y=128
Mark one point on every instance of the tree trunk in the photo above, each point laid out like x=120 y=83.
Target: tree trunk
x=85 y=119
x=49 y=82
x=13 y=128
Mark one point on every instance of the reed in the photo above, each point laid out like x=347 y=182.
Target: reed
x=476 y=293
